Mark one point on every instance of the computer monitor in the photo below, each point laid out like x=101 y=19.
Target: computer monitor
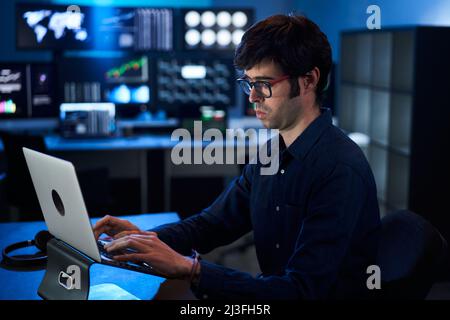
x=44 y=26
x=27 y=90
x=42 y=90
x=214 y=28
x=87 y=119
x=58 y=27
x=13 y=90
x=191 y=81
x=124 y=81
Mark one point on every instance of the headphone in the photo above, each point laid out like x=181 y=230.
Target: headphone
x=38 y=259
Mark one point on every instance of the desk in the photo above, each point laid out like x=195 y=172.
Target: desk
x=23 y=285
x=114 y=152
x=146 y=157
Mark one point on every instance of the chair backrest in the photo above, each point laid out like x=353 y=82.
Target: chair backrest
x=20 y=192
x=412 y=254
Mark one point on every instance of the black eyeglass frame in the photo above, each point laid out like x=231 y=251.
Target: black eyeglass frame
x=248 y=85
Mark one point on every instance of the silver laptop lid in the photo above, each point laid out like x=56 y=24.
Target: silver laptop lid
x=61 y=201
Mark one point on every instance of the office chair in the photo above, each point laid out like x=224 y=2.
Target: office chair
x=20 y=193
x=412 y=256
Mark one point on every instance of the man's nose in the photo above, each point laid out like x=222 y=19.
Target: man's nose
x=254 y=96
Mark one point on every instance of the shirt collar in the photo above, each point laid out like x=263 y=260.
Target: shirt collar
x=303 y=143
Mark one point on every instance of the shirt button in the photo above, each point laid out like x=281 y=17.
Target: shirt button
x=277 y=208
x=282 y=171
x=277 y=246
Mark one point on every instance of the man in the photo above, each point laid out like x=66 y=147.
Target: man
x=315 y=222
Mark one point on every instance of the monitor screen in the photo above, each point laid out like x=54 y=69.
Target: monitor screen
x=13 y=90
x=42 y=95
x=87 y=119
x=124 y=81
x=27 y=90
x=52 y=27
x=123 y=94
x=57 y=27
x=191 y=81
x=214 y=29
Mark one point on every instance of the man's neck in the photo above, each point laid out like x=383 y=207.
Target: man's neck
x=289 y=135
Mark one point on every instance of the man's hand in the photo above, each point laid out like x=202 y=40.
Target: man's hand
x=153 y=251
x=113 y=226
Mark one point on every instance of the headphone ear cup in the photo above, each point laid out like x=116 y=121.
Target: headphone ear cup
x=41 y=239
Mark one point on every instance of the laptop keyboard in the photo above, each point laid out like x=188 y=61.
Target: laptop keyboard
x=101 y=248
x=142 y=267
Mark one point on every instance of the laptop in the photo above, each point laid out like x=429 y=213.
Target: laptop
x=64 y=210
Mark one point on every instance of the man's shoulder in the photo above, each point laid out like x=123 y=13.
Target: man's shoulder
x=336 y=148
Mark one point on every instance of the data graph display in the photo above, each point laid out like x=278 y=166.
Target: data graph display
x=131 y=71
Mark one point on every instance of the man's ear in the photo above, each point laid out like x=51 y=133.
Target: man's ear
x=310 y=80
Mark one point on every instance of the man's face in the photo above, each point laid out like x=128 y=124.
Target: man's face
x=279 y=111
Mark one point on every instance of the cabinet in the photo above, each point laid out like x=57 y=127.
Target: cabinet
x=394 y=86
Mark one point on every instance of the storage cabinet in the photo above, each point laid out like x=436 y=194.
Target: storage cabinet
x=394 y=86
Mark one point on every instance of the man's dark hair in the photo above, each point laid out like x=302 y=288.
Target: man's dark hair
x=294 y=42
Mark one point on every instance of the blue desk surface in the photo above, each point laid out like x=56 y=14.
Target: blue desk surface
x=138 y=142
x=23 y=285
x=58 y=143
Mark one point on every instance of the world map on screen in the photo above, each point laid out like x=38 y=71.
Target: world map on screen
x=45 y=22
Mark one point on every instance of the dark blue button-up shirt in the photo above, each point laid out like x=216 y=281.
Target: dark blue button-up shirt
x=316 y=223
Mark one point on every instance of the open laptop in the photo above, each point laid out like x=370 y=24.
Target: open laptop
x=65 y=214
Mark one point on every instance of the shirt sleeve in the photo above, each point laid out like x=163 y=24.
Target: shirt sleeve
x=334 y=206
x=226 y=220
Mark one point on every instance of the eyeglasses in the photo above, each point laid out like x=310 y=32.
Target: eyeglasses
x=263 y=87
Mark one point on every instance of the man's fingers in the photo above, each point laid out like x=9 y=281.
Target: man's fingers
x=134 y=233
x=102 y=221
x=133 y=257
x=101 y=226
x=125 y=233
x=140 y=257
x=128 y=243
x=149 y=241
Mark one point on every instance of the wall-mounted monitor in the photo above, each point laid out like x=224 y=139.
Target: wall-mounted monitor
x=125 y=81
x=185 y=82
x=27 y=90
x=58 y=27
x=13 y=91
x=44 y=26
x=87 y=119
x=214 y=29
x=42 y=86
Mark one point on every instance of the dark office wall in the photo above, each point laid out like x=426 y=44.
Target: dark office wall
x=333 y=16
